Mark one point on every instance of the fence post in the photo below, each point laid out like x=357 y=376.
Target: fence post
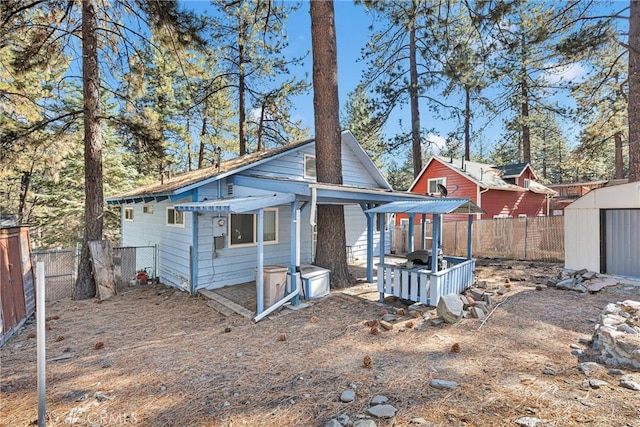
x=526 y=235
x=155 y=262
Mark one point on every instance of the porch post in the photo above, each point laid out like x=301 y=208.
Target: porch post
x=423 y=228
x=434 y=242
x=469 y=236
x=259 y=274
x=370 y=227
x=382 y=219
x=411 y=231
x=194 y=243
x=295 y=249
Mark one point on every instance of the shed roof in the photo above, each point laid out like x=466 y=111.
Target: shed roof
x=432 y=206
x=624 y=196
x=512 y=170
x=238 y=204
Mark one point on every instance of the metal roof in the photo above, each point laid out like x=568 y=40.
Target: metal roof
x=433 y=206
x=237 y=205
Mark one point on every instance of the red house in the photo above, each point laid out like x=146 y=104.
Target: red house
x=501 y=191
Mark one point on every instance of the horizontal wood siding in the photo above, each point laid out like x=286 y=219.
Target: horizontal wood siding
x=356 y=233
x=465 y=189
x=173 y=242
x=513 y=203
x=233 y=266
x=291 y=166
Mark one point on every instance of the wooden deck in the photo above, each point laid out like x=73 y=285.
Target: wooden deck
x=237 y=299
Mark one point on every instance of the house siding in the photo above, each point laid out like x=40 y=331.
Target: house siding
x=356 y=233
x=513 y=203
x=173 y=242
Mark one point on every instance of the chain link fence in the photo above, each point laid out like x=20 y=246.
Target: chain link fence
x=61 y=266
x=528 y=238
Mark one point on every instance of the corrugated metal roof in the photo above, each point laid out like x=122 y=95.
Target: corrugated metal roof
x=237 y=205
x=433 y=206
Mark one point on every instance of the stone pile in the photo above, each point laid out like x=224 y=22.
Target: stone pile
x=617 y=335
x=475 y=302
x=580 y=281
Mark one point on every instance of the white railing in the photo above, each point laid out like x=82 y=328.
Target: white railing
x=420 y=285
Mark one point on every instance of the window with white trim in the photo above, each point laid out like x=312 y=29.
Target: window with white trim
x=309 y=166
x=128 y=214
x=175 y=218
x=147 y=209
x=243 y=228
x=432 y=185
x=527 y=182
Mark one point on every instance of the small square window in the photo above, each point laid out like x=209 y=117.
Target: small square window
x=147 y=209
x=128 y=214
x=309 y=166
x=432 y=185
x=175 y=218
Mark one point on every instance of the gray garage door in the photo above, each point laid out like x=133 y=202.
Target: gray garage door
x=622 y=242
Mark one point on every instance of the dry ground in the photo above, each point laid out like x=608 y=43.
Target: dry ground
x=167 y=361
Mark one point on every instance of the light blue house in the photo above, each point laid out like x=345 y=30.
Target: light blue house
x=214 y=226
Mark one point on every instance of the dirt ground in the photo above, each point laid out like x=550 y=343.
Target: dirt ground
x=154 y=358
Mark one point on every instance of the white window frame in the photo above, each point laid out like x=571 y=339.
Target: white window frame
x=255 y=230
x=128 y=217
x=175 y=224
x=442 y=180
x=147 y=209
x=305 y=172
x=527 y=182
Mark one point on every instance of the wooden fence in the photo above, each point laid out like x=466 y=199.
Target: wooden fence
x=530 y=238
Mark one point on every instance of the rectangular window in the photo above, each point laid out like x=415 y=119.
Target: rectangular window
x=175 y=218
x=128 y=214
x=377 y=220
x=527 y=181
x=148 y=209
x=309 y=166
x=433 y=185
x=243 y=228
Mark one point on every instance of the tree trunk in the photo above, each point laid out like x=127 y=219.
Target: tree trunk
x=467 y=123
x=617 y=139
x=331 y=244
x=203 y=133
x=416 y=146
x=94 y=199
x=524 y=108
x=242 y=117
x=634 y=92
x=25 y=180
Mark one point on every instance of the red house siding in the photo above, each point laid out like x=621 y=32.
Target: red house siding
x=513 y=203
x=494 y=202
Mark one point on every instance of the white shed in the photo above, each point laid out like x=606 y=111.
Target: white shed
x=602 y=231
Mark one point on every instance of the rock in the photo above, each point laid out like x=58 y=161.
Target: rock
x=549 y=371
x=348 y=396
x=333 y=423
x=589 y=275
x=426 y=316
x=594 y=383
x=465 y=302
x=418 y=306
x=389 y=317
x=566 y=283
x=551 y=282
x=450 y=308
x=631 y=385
x=482 y=284
x=344 y=419
x=502 y=290
x=386 y=325
x=614 y=372
x=437 y=321
x=584 y=341
x=100 y=397
x=477 y=313
x=488 y=298
x=382 y=411
x=579 y=272
x=588 y=367
x=477 y=294
x=623 y=327
x=577 y=353
x=420 y=421
x=482 y=305
x=379 y=400
x=443 y=384
x=528 y=422
x=574 y=346
x=365 y=423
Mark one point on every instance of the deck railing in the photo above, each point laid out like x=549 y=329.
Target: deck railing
x=419 y=284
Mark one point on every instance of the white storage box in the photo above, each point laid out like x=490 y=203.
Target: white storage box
x=315 y=280
x=274 y=278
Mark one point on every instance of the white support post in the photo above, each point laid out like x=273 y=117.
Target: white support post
x=40 y=346
x=260 y=272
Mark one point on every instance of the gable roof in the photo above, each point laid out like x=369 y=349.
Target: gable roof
x=186 y=181
x=513 y=170
x=484 y=175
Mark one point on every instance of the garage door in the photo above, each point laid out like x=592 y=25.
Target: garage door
x=622 y=242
